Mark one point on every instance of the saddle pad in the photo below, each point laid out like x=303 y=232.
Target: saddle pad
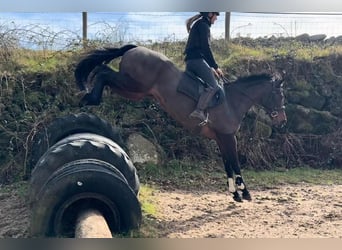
x=193 y=87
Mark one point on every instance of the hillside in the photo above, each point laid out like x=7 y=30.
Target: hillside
x=38 y=86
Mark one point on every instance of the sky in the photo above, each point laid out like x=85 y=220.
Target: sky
x=159 y=26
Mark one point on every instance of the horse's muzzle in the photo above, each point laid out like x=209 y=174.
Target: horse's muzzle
x=279 y=118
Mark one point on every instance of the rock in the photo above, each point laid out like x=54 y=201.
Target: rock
x=262 y=130
x=339 y=39
x=303 y=37
x=310 y=121
x=330 y=41
x=142 y=150
x=317 y=38
x=308 y=98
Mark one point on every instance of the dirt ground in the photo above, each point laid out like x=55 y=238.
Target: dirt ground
x=306 y=211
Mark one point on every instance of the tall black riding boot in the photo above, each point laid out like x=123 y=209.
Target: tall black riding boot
x=203 y=104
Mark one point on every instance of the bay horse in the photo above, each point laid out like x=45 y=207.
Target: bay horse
x=147 y=73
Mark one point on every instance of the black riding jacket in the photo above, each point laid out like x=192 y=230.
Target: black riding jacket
x=198 y=44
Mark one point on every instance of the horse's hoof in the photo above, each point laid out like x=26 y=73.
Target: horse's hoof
x=89 y=100
x=246 y=195
x=237 y=197
x=84 y=101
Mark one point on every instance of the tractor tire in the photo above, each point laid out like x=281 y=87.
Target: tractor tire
x=64 y=126
x=83 y=146
x=79 y=185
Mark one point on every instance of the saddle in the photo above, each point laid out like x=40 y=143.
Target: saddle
x=194 y=89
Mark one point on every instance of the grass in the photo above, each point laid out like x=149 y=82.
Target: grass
x=295 y=49
x=203 y=175
x=146 y=196
x=150 y=213
x=181 y=175
x=46 y=61
x=20 y=188
x=295 y=176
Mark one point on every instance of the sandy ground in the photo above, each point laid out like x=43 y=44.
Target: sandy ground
x=284 y=212
x=306 y=211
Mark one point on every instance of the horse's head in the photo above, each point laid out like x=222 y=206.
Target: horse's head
x=274 y=104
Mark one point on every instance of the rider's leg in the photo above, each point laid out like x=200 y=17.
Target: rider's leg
x=200 y=68
x=202 y=104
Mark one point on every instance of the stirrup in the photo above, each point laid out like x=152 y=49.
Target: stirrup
x=205 y=121
x=204 y=117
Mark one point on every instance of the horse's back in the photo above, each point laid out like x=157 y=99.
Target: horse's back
x=144 y=64
x=141 y=52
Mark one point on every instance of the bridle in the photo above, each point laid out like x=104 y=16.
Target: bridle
x=274 y=111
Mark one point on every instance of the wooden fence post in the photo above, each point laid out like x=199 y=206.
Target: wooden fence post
x=227 y=26
x=84 y=28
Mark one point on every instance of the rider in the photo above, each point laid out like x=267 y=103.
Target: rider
x=199 y=58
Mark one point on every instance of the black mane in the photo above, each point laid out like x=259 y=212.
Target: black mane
x=254 y=78
x=248 y=81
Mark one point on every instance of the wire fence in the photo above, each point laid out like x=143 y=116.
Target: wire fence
x=285 y=25
x=59 y=30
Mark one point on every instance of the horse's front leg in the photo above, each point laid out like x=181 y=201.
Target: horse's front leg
x=228 y=147
x=94 y=97
x=235 y=165
x=230 y=173
x=238 y=185
x=230 y=182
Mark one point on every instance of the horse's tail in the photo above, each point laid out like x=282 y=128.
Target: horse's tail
x=95 y=58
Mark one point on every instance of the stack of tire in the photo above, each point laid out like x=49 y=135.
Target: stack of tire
x=77 y=163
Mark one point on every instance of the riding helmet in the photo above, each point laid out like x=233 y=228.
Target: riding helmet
x=205 y=14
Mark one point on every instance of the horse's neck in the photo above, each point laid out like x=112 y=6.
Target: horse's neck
x=242 y=98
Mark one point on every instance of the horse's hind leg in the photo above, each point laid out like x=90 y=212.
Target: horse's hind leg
x=99 y=77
